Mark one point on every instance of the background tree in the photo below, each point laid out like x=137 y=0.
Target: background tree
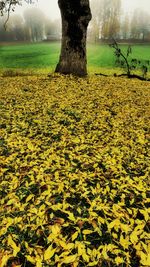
x=34 y=23
x=125 y=27
x=144 y=26
x=4 y=36
x=16 y=28
x=106 y=19
x=135 y=22
x=52 y=29
x=111 y=19
x=140 y=25
x=20 y=29
x=95 y=24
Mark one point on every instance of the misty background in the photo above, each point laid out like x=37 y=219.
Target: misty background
x=124 y=20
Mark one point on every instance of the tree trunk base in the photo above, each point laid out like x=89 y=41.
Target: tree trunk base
x=73 y=68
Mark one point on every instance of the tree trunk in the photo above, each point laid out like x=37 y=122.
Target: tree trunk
x=75 y=15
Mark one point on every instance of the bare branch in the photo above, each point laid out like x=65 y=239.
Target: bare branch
x=6 y=6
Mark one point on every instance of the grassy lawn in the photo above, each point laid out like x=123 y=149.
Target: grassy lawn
x=103 y=55
x=45 y=55
x=74 y=171
x=29 y=55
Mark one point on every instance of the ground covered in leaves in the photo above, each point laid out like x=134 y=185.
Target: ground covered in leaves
x=74 y=172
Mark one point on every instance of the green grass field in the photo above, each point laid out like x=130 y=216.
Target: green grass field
x=45 y=55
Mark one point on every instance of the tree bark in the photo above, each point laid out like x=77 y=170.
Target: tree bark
x=75 y=15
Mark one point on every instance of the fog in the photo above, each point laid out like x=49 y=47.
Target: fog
x=50 y=7
x=130 y=5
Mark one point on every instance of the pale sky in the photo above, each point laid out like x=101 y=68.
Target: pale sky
x=130 y=5
x=50 y=7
